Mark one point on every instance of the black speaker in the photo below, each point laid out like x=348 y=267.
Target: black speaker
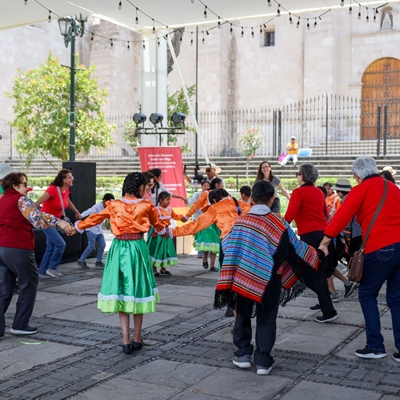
x=83 y=193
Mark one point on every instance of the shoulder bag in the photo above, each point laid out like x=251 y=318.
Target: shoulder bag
x=63 y=215
x=356 y=263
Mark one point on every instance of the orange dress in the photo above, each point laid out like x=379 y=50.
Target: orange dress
x=201 y=203
x=224 y=214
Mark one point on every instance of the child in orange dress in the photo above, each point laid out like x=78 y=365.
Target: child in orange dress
x=162 y=251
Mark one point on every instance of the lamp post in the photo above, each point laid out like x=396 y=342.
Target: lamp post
x=70 y=28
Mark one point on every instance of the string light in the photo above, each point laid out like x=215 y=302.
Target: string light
x=298 y=23
x=260 y=29
x=341 y=3
x=350 y=10
x=120 y=5
x=252 y=32
x=208 y=33
x=191 y=40
x=92 y=36
x=49 y=18
x=290 y=19
x=144 y=45
x=231 y=30
x=154 y=28
x=359 y=12
x=219 y=23
x=242 y=34
x=315 y=23
x=158 y=43
x=111 y=43
x=137 y=18
x=269 y=3
x=278 y=11
x=367 y=17
x=26 y=2
x=128 y=47
x=205 y=11
x=203 y=38
x=308 y=24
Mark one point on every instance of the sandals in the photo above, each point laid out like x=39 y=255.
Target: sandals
x=165 y=272
x=213 y=269
x=205 y=264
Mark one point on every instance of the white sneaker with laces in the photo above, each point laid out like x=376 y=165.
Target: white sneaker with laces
x=50 y=272
x=263 y=370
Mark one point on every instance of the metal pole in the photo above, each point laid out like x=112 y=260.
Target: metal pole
x=385 y=123
x=196 y=144
x=326 y=125
x=279 y=130
x=378 y=132
x=72 y=101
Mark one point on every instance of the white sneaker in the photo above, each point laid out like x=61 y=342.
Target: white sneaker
x=56 y=272
x=263 y=370
x=50 y=272
x=242 y=361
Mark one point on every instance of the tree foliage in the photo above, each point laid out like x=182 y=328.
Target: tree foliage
x=41 y=109
x=176 y=102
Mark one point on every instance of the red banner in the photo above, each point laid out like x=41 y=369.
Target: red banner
x=169 y=160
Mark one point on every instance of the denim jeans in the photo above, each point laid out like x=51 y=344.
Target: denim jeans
x=55 y=246
x=92 y=238
x=380 y=266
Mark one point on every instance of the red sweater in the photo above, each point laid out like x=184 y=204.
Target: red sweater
x=307 y=208
x=15 y=230
x=362 y=201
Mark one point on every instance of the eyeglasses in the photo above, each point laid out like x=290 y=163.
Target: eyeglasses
x=265 y=167
x=208 y=170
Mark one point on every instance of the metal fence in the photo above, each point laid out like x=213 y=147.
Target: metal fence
x=327 y=124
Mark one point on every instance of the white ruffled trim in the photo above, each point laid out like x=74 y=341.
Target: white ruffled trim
x=128 y=298
x=76 y=227
x=131 y=201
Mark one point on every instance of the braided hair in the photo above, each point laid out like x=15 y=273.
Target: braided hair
x=132 y=183
x=219 y=194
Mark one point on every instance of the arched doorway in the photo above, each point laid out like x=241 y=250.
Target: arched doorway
x=381 y=87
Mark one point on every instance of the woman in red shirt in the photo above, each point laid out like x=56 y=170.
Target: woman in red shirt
x=307 y=208
x=55 y=244
x=382 y=251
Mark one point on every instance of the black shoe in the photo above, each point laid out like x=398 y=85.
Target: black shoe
x=137 y=345
x=127 y=348
x=349 y=289
x=396 y=357
x=29 y=330
x=321 y=319
x=229 y=312
x=315 y=308
x=368 y=353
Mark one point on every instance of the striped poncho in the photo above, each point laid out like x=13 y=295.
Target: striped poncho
x=260 y=248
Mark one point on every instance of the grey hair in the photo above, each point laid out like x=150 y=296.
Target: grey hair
x=364 y=166
x=309 y=172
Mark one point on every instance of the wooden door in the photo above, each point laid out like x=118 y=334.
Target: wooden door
x=381 y=87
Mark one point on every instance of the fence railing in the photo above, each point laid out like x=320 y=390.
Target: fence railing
x=328 y=124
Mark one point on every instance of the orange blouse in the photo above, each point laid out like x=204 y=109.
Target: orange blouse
x=244 y=206
x=200 y=204
x=224 y=214
x=127 y=215
x=166 y=214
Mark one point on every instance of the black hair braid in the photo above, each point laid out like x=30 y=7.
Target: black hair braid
x=132 y=183
x=239 y=210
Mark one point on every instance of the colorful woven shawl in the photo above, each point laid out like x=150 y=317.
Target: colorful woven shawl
x=258 y=247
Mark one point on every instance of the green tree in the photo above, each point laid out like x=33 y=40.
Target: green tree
x=42 y=111
x=177 y=103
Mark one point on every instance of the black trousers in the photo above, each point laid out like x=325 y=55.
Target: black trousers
x=21 y=264
x=265 y=329
x=318 y=282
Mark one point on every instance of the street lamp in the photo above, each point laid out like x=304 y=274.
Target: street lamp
x=70 y=28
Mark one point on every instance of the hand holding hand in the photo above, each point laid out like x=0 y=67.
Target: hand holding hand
x=78 y=216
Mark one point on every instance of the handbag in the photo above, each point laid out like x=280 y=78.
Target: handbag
x=356 y=263
x=282 y=156
x=63 y=215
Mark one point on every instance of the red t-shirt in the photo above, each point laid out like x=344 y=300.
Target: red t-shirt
x=308 y=208
x=53 y=205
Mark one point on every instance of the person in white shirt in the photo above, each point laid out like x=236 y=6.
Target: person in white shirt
x=95 y=234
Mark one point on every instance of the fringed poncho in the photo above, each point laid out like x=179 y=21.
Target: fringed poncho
x=258 y=248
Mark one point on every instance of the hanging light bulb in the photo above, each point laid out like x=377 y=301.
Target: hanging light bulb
x=137 y=18
x=260 y=29
x=203 y=38
x=367 y=18
x=231 y=30
x=111 y=43
x=219 y=23
x=158 y=43
x=154 y=28
x=205 y=12
x=341 y=3
x=252 y=32
x=315 y=23
x=207 y=33
x=308 y=24
x=128 y=47
x=26 y=2
x=119 y=5
x=298 y=23
x=269 y=3
x=350 y=10
x=242 y=33
x=191 y=39
x=374 y=17
x=359 y=15
x=290 y=19
x=144 y=45
x=92 y=36
x=49 y=18
x=278 y=11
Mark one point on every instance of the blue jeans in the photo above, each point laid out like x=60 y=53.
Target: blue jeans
x=92 y=238
x=55 y=246
x=380 y=266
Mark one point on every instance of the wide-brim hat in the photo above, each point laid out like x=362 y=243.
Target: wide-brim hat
x=5 y=169
x=342 y=184
x=213 y=166
x=390 y=169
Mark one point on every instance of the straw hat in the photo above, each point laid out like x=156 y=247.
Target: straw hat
x=390 y=169
x=5 y=169
x=213 y=166
x=342 y=184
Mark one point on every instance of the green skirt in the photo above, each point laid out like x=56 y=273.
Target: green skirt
x=128 y=281
x=162 y=251
x=208 y=239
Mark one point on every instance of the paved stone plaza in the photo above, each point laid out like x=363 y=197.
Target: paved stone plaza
x=188 y=353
